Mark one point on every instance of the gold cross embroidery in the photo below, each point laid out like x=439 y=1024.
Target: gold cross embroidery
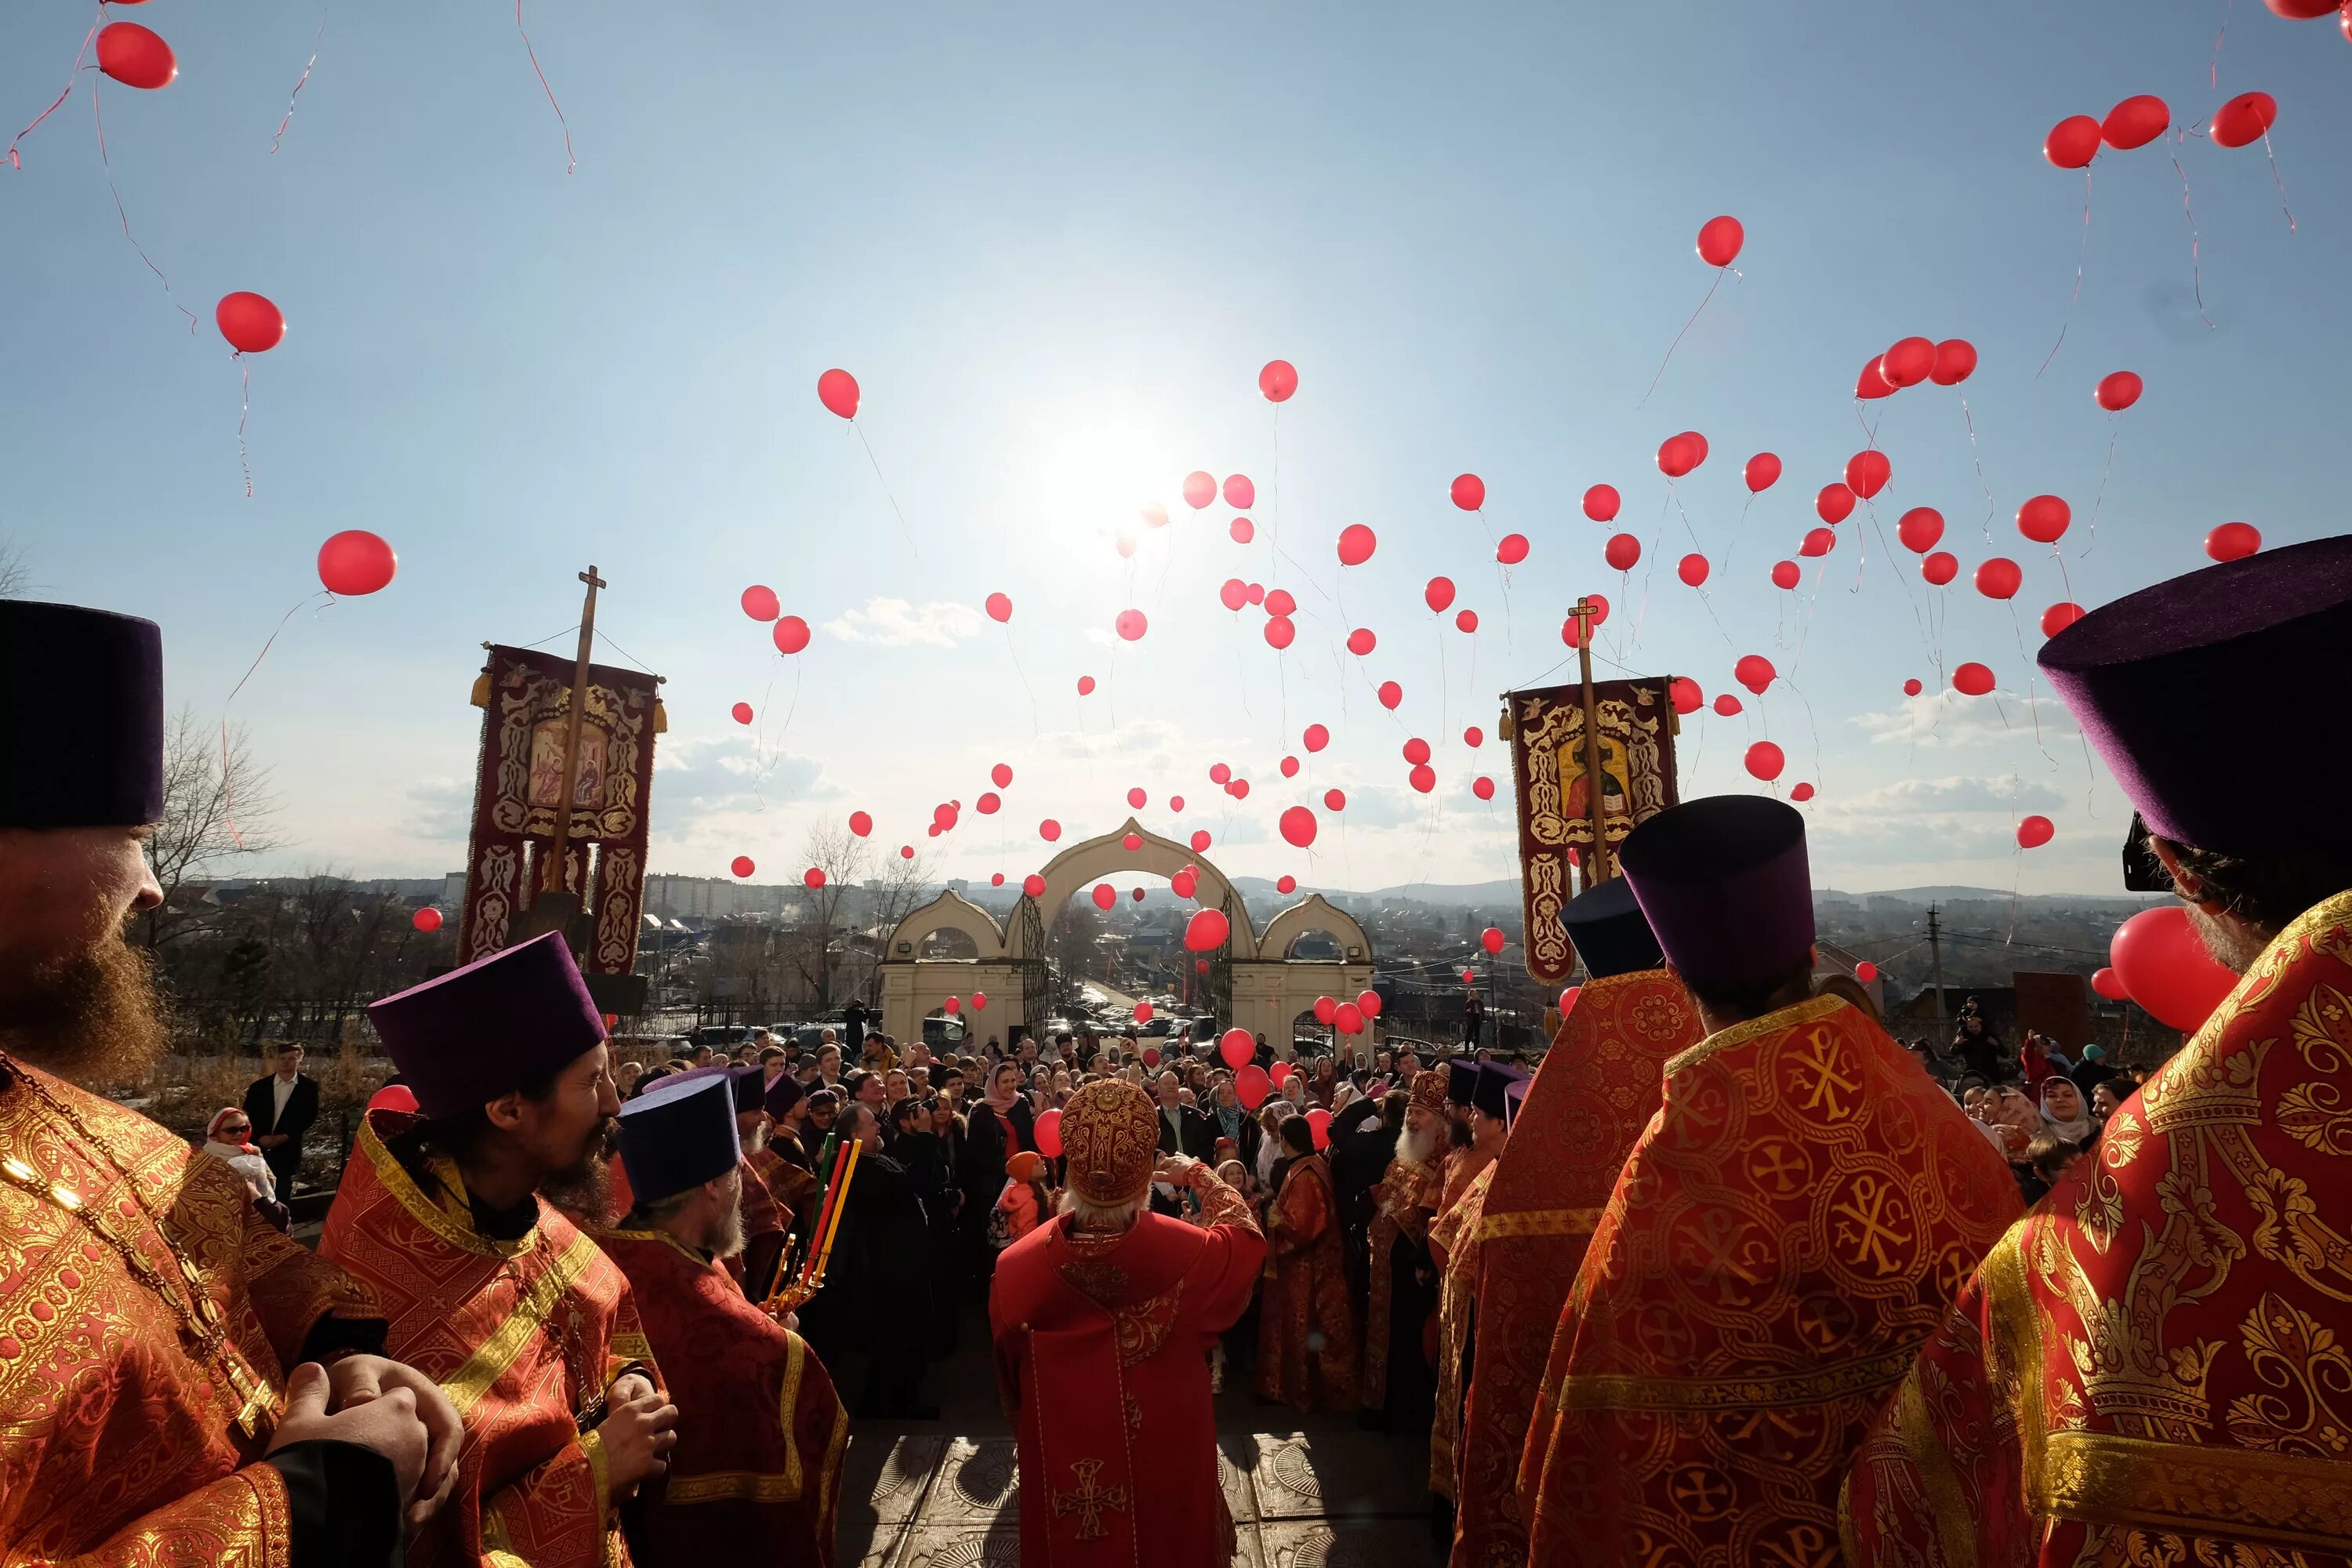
x=1090 y=1501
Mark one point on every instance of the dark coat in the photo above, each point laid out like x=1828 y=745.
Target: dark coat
x=1197 y=1138
x=985 y=1151
x=301 y=1109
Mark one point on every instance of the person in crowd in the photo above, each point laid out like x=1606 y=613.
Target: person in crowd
x=1399 y=1387
x=1473 y=1018
x=2132 y=1370
x=1598 y=1087
x=1456 y=1246
x=1357 y=1163
x=997 y=1126
x=2064 y=1112
x=1183 y=1130
x=281 y=1107
x=2092 y=1069
x=1308 y=1347
x=1324 y=1085
x=766 y=1219
x=453 y=1220
x=624 y=1081
x=1785 y=1143
x=1276 y=1152
x=756 y=1474
x=228 y=1138
x=184 y=1385
x=828 y=1063
x=1088 y=1397
x=2107 y=1097
x=699 y=1056
x=1232 y=1120
x=774 y=1063
x=1464 y=1159
x=876 y=1297
x=1027 y=1199
x=1978 y=1048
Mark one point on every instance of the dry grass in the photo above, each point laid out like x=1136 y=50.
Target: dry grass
x=188 y=1090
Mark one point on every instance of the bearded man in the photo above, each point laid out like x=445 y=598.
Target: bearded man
x=2152 y=1368
x=1399 y=1384
x=454 y=1218
x=756 y=1474
x=766 y=1220
x=146 y=1413
x=1103 y=1319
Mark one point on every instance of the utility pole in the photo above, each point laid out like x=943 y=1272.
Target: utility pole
x=1935 y=957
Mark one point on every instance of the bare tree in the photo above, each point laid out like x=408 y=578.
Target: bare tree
x=216 y=806
x=15 y=570
x=842 y=855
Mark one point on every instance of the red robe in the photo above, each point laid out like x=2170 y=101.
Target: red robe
x=1788 y=1231
x=1453 y=1240
x=120 y=1446
x=1407 y=1196
x=1597 y=1088
x=522 y=1335
x=2157 y=1365
x=756 y=1474
x=1308 y=1353
x=1102 y=1348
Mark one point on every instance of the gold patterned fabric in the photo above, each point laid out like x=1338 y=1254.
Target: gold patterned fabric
x=1788 y=1230
x=2155 y=1367
x=1454 y=1237
x=1110 y=1136
x=1429 y=1092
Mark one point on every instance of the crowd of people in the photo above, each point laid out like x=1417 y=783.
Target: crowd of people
x=1729 y=1278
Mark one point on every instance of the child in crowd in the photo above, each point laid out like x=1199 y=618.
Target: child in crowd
x=1025 y=1201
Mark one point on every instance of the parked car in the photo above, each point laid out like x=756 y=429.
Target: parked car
x=722 y=1037
x=941 y=1033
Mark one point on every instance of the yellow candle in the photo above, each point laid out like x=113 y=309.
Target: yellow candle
x=840 y=1202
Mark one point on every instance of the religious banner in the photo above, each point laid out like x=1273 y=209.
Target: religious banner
x=1637 y=725
x=526 y=699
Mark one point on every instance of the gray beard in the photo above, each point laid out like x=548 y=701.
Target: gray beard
x=1418 y=1148
x=727 y=1238
x=2233 y=945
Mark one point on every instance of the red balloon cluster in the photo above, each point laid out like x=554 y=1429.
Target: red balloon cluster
x=1914 y=359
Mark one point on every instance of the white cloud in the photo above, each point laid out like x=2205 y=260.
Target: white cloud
x=442 y=810
x=1945 y=718
x=895 y=623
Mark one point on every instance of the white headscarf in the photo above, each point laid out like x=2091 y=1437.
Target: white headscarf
x=2075 y=1128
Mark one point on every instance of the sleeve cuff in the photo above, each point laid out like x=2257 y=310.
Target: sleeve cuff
x=332 y=1335
x=344 y=1503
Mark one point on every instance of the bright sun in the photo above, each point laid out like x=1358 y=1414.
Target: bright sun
x=1098 y=468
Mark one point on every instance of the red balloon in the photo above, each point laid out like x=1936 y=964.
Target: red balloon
x=2044 y=520
x=1315 y=737
x=1416 y=751
x=1469 y=491
x=1835 y=504
x=427 y=920
x=1908 y=363
x=1348 y=1020
x=2166 y=968
x=1049 y=830
x=1726 y=706
x=1601 y=504
x=1919 y=529
x=1765 y=762
x=1972 y=679
x=906 y=852
x=1237 y=1048
x=1912 y=687
x=2073 y=143
x=1389 y=694
x=2059 y=617
x=1940 y=568
x=2108 y=984
x=1233 y=594
x=1368 y=1003
x=1241 y=531
x=1240 y=494
x=1357 y=543
x=1692 y=569
x=1251 y=1085
x=1000 y=776
x=1277 y=380
x=2135 y=122
x=1105 y=897
x=760 y=603
x=2118 y=391
x=135 y=56
x=1423 y=779
x=1491 y=940
x=837 y=390
x=1048 y=1133
x=355 y=562
x=791 y=633
x=1439 y=594
x=1568 y=999
x=1286 y=885
x=2233 y=541
x=1483 y=787
x=1512 y=550
x=1873 y=382
x=1206 y=930
x=860 y=823
x=1762 y=472
x=1238 y=789
x=814 y=878
x=1298 y=827
x=249 y=321
x=1280 y=631
x=999 y=607
x=1677 y=457
x=1034 y=886
x=1220 y=774
x=1131 y=625
x=1326 y=1009
x=1290 y=767
x=742 y=865
x=1719 y=239
x=1754 y=672
x=1176 y=802
x=1465 y=620
x=1865 y=972
x=1623 y=551
x=1998 y=578
x=1334 y=800
x=1136 y=797
x=740 y=712
x=1153 y=514
x=989 y=803
x=2033 y=832
x=1086 y=686
x=1786 y=574
x=1184 y=882
x=1803 y=792
x=1956 y=361
x=1817 y=542
x=1684 y=694
x=1866 y=473
x=2245 y=119
x=1280 y=602
x=1199 y=488
x=2302 y=10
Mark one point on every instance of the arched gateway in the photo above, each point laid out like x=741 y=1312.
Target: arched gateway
x=1267 y=988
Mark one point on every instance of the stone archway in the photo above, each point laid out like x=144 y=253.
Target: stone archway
x=1278 y=987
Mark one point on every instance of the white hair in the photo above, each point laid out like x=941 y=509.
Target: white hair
x=1421 y=1148
x=1103 y=1218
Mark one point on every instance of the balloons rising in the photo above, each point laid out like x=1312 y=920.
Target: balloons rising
x=1956 y=361
x=1357 y=543
x=1491 y=940
x=1416 y=751
x=1765 y=760
x=1241 y=531
x=356 y=562
x=249 y=321
x=1237 y=1048
x=135 y=56
x=1280 y=631
x=2302 y=10
x=1280 y=602
x=1199 y=488
x=837 y=390
x=2135 y=122
x=760 y=603
x=1866 y=472
x=1512 y=550
x=1439 y=594
x=1762 y=472
x=1136 y=797
x=1972 y=679
x=2073 y=143
x=1086 y=686
x=1465 y=621
x=1423 y=779
x=1998 y=578
x=1469 y=491
x=861 y=823
x=742 y=865
x=2044 y=520
x=1049 y=830
x=1105 y=897
x=2118 y=391
x=1277 y=380
x=1801 y=793
x=740 y=712
x=1726 y=706
x=1754 y=672
x=1285 y=886
x=1908 y=363
x=1622 y=552
x=1131 y=626
x=1940 y=568
x=1391 y=694
x=1183 y=883
x=1334 y=800
x=1677 y=456
x=1719 y=239
x=1817 y=542
x=1316 y=738
x=1233 y=594
x=1206 y=930
x=1865 y=972
x=791 y=633
x=1483 y=787
x=814 y=878
x=999 y=608
x=1692 y=569
x=427 y=920
x=1912 y=687
x=1835 y=504
x=1601 y=504
x=2059 y=617
x=2033 y=832
x=1368 y=1003
x=1873 y=382
x=1919 y=529
x=1251 y=1085
x=2246 y=118
x=1240 y=494
x=2234 y=541
x=1684 y=692
x=1298 y=827
x=1034 y=885
x=2165 y=968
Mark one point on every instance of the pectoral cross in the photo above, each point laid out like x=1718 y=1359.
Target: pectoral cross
x=560 y=836
x=1090 y=1501
x=1596 y=866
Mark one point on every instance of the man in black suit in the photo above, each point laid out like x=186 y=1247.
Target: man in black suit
x=1184 y=1129
x=282 y=1107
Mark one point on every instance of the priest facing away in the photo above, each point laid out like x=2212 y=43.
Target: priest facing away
x=1103 y=1318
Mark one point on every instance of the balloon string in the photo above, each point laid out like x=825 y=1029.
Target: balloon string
x=1036 y=725
x=893 y=499
x=243 y=408
x=1810 y=723
x=760 y=736
x=2213 y=70
x=300 y=81
x=64 y=92
x=1737 y=529
x=106 y=167
x=2272 y=154
x=2196 y=263
x=2033 y=708
x=1678 y=336
x=2081 y=251
x=570 y=162
x=228 y=792
x=1976 y=455
x=2100 y=499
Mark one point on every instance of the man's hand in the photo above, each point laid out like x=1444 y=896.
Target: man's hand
x=270 y=1141
x=1175 y=1170
x=386 y=1424
x=356 y=1380
x=638 y=1434
x=628 y=1386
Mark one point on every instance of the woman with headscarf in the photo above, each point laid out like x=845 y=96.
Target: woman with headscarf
x=229 y=1139
x=1326 y=1083
x=2062 y=1108
x=2017 y=1122
x=999 y=1125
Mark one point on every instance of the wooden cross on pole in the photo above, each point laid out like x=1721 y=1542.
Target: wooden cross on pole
x=1596 y=863
x=552 y=877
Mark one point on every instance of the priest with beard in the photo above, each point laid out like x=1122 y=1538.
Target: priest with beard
x=182 y=1383
x=756 y=1474
x=1399 y=1387
x=766 y=1220
x=453 y=1218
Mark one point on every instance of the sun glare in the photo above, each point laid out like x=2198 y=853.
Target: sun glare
x=1098 y=471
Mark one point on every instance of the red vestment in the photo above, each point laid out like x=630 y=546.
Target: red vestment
x=756 y=1474
x=1408 y=1197
x=2155 y=1367
x=1454 y=1239
x=122 y=1442
x=1789 y=1229
x=1462 y=1168
x=1102 y=1347
x=519 y=1335
x=1306 y=1338
x=1597 y=1088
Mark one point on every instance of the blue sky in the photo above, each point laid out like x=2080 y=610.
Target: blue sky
x=1055 y=243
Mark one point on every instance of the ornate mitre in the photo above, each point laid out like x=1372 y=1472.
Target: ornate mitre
x=1429 y=1092
x=1110 y=1133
